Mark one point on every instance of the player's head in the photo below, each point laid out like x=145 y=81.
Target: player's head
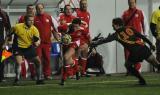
x=117 y=23
x=83 y=5
x=40 y=8
x=29 y=20
x=76 y=23
x=30 y=9
x=67 y=10
x=132 y=3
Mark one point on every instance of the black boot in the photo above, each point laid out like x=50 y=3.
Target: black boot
x=16 y=82
x=39 y=82
x=62 y=82
x=142 y=82
x=77 y=76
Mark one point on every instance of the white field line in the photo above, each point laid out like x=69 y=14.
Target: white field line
x=99 y=82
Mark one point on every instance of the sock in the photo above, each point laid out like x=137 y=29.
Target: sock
x=83 y=63
x=32 y=70
x=65 y=72
x=23 y=70
x=38 y=70
x=138 y=67
x=75 y=67
x=135 y=73
x=18 y=71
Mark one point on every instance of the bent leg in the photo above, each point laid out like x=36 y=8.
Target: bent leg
x=83 y=61
x=19 y=61
x=153 y=61
x=133 y=71
x=37 y=63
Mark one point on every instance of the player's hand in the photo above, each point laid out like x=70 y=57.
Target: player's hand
x=58 y=37
x=93 y=44
x=4 y=46
x=37 y=43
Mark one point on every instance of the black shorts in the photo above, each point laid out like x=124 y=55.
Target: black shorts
x=28 y=53
x=143 y=52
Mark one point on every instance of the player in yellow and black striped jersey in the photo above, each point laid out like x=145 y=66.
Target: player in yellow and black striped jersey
x=129 y=38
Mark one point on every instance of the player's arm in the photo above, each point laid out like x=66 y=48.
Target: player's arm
x=54 y=29
x=145 y=25
x=153 y=29
x=145 y=40
x=36 y=37
x=8 y=37
x=109 y=38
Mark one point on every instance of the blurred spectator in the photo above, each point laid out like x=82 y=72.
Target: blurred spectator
x=135 y=17
x=84 y=15
x=29 y=10
x=5 y=28
x=45 y=25
x=66 y=17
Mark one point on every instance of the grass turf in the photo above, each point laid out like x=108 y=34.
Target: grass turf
x=117 y=84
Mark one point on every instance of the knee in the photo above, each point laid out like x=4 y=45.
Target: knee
x=37 y=61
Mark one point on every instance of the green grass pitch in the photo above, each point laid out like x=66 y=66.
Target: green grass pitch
x=116 y=84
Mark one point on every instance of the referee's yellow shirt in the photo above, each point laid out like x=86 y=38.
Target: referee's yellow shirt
x=25 y=34
x=155 y=18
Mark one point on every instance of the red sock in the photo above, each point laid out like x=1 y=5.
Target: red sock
x=23 y=70
x=67 y=72
x=75 y=67
x=83 y=63
x=64 y=74
x=32 y=69
x=138 y=66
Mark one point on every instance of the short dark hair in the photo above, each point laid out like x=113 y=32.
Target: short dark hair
x=135 y=1
x=76 y=21
x=65 y=7
x=29 y=5
x=27 y=16
x=118 y=21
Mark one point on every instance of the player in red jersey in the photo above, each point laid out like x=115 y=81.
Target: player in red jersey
x=66 y=16
x=77 y=34
x=84 y=15
x=44 y=23
x=135 y=17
